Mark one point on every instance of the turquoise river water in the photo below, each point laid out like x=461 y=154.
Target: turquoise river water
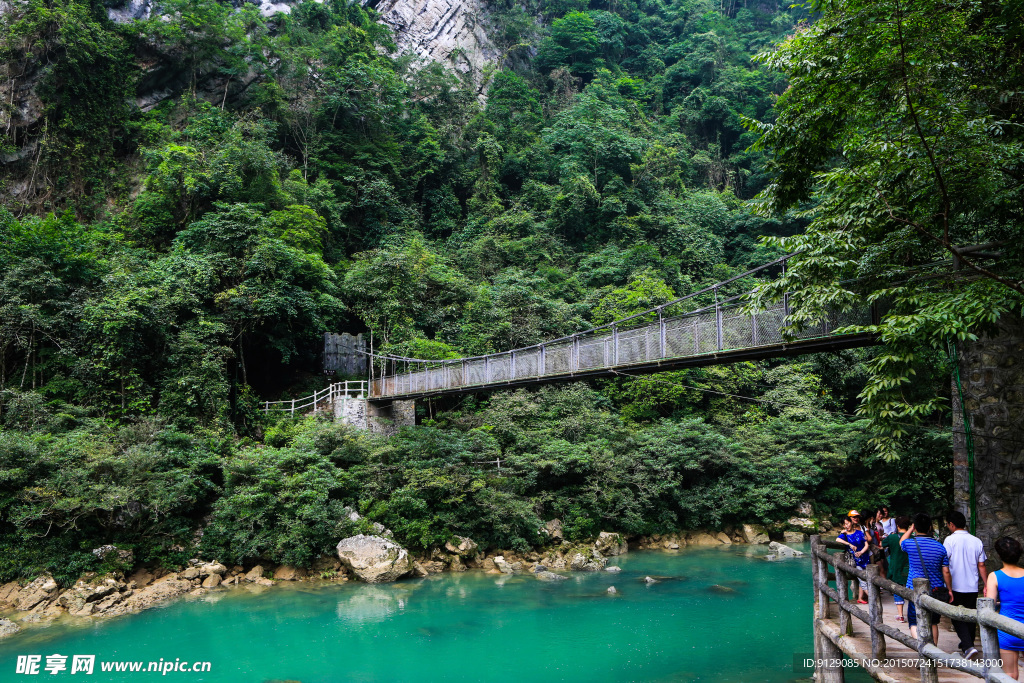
x=469 y=627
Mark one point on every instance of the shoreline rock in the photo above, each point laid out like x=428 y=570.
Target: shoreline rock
x=41 y=600
x=374 y=559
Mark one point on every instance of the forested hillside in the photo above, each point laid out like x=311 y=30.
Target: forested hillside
x=192 y=203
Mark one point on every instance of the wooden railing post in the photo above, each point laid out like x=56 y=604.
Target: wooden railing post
x=842 y=588
x=820 y=568
x=989 y=639
x=826 y=652
x=512 y=365
x=541 y=362
x=929 y=672
x=875 y=613
x=574 y=360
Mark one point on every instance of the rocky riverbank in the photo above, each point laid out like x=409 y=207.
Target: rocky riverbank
x=372 y=559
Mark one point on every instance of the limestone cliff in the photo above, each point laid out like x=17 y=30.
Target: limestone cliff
x=451 y=32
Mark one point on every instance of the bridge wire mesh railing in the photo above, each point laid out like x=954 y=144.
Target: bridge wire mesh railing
x=663 y=333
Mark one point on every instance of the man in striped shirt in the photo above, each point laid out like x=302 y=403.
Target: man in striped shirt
x=928 y=559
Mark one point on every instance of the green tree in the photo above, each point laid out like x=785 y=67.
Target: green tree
x=899 y=125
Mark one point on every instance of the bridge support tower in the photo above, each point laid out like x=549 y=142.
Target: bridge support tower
x=991 y=375
x=379 y=417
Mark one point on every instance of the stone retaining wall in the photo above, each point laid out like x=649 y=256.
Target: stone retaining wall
x=992 y=375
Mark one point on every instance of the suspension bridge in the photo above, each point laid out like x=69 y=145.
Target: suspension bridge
x=678 y=334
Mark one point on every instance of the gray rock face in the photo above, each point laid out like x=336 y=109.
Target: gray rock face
x=130 y=11
x=553 y=529
x=447 y=31
x=374 y=559
x=105 y=552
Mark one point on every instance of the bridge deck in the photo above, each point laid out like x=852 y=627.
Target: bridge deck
x=417 y=381
x=711 y=336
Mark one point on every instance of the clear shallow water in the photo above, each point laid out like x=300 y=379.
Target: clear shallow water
x=472 y=627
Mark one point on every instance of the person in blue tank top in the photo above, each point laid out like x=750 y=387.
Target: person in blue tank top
x=1007 y=586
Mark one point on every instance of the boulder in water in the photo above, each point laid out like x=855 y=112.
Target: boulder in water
x=649 y=580
x=610 y=544
x=781 y=550
x=612 y=591
x=8 y=628
x=374 y=559
x=754 y=534
x=718 y=588
x=584 y=559
x=613 y=569
x=550 y=576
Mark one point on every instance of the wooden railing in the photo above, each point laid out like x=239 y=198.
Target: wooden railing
x=831 y=644
x=353 y=389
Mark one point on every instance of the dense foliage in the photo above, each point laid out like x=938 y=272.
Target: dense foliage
x=168 y=260
x=903 y=124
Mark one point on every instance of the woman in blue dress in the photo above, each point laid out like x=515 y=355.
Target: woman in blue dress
x=1007 y=586
x=858 y=542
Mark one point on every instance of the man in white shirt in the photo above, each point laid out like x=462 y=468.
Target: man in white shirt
x=967 y=565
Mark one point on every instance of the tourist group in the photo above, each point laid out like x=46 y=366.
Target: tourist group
x=907 y=548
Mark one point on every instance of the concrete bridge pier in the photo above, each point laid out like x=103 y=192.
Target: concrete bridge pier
x=380 y=417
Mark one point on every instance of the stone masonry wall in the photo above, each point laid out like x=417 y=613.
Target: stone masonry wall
x=351 y=411
x=388 y=418
x=992 y=375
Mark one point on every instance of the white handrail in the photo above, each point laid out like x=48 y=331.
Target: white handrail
x=327 y=395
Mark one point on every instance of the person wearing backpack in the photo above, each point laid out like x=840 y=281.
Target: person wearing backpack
x=928 y=560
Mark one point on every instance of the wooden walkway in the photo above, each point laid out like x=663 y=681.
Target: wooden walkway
x=899 y=655
x=883 y=647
